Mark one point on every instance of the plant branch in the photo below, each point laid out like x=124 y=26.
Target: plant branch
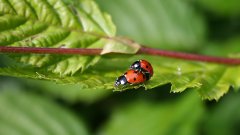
x=189 y=56
x=143 y=50
x=38 y=50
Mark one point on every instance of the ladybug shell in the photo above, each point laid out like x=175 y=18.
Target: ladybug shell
x=134 y=77
x=130 y=77
x=144 y=66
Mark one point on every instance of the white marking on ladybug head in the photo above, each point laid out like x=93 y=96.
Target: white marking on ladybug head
x=122 y=82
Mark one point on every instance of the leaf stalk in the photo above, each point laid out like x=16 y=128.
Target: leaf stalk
x=142 y=50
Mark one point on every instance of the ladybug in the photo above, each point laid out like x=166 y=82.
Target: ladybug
x=131 y=77
x=143 y=66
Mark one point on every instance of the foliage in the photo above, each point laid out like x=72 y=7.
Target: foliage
x=222 y=7
x=75 y=94
x=90 y=24
x=162 y=119
x=25 y=113
x=55 y=23
x=225 y=122
x=170 y=24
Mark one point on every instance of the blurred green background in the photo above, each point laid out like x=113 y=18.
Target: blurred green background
x=206 y=27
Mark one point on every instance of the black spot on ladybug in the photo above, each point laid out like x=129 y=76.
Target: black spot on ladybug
x=146 y=66
x=134 y=79
x=144 y=77
x=135 y=72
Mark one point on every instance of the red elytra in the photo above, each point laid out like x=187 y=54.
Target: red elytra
x=143 y=66
x=134 y=77
x=130 y=77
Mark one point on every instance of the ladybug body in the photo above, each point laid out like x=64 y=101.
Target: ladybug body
x=143 y=66
x=130 y=77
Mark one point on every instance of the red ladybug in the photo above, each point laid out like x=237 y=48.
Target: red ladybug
x=130 y=77
x=143 y=66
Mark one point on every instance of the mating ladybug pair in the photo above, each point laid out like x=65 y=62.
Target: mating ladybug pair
x=139 y=72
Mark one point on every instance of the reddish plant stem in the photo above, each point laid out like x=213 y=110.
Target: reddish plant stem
x=143 y=50
x=188 y=56
x=80 y=51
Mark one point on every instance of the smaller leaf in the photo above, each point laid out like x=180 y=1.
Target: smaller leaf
x=129 y=47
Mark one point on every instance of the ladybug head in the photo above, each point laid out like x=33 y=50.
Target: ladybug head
x=121 y=80
x=136 y=65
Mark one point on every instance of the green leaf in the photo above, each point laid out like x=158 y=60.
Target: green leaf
x=69 y=92
x=217 y=81
x=143 y=117
x=165 y=24
x=223 y=116
x=222 y=7
x=73 y=24
x=25 y=113
x=122 y=45
x=220 y=48
x=211 y=81
x=57 y=24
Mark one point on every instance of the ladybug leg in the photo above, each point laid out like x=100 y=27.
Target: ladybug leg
x=115 y=89
x=120 y=88
x=143 y=85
